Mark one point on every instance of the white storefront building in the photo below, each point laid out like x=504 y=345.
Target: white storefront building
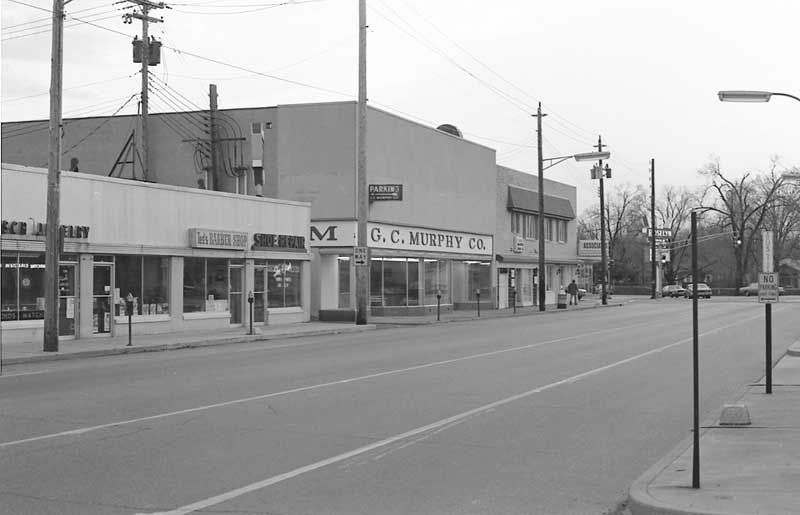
x=188 y=257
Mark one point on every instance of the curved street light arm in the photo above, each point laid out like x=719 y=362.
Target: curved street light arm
x=787 y=95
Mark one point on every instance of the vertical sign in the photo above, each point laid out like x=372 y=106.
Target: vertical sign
x=360 y=256
x=767 y=249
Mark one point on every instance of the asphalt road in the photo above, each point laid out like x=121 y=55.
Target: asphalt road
x=537 y=414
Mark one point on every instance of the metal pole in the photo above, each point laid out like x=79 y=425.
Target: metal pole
x=478 y=294
x=653 y=266
x=129 y=309
x=438 y=305
x=514 y=296
x=540 y=216
x=695 y=365
x=603 y=257
x=52 y=250
x=362 y=200
x=768 y=311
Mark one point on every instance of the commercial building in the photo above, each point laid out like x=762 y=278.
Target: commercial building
x=447 y=227
x=187 y=258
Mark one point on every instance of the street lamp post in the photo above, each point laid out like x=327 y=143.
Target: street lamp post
x=552 y=161
x=751 y=96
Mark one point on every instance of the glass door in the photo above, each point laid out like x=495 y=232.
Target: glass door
x=235 y=294
x=67 y=312
x=101 y=299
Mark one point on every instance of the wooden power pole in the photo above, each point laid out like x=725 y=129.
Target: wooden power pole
x=362 y=198
x=145 y=18
x=52 y=250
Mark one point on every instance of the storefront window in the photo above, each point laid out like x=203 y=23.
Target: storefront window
x=259 y=283
x=394 y=282
x=344 y=281
x=205 y=285
x=283 y=284
x=22 y=286
x=437 y=280
x=479 y=277
x=146 y=278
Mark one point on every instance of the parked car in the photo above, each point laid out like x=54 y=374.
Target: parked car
x=673 y=290
x=702 y=291
x=752 y=289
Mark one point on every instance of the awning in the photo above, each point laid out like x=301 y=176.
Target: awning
x=528 y=201
x=516 y=259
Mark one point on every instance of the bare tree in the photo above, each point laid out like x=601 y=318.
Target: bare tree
x=742 y=206
x=673 y=210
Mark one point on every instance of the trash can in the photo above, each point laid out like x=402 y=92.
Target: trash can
x=562 y=300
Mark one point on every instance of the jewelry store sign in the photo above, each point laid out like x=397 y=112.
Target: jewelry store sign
x=214 y=239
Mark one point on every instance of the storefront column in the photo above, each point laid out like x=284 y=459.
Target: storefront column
x=85 y=295
x=305 y=289
x=176 y=293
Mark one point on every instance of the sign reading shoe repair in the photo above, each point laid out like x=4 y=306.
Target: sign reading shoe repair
x=398 y=237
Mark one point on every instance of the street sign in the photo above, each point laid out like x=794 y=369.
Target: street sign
x=767 y=248
x=768 y=287
x=360 y=256
x=385 y=192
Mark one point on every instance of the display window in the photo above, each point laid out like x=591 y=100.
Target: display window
x=394 y=282
x=146 y=278
x=205 y=285
x=283 y=284
x=479 y=278
x=437 y=280
x=22 y=284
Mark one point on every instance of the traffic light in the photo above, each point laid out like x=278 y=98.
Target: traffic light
x=535 y=272
x=737 y=240
x=663 y=259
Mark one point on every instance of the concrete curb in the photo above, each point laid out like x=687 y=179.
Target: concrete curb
x=525 y=313
x=134 y=349
x=642 y=502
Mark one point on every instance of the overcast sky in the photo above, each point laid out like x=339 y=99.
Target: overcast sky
x=642 y=74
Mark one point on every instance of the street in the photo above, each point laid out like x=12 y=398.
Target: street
x=554 y=413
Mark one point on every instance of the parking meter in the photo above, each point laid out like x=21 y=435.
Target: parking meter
x=478 y=295
x=129 y=311
x=250 y=300
x=438 y=304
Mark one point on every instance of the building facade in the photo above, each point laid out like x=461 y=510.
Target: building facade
x=447 y=227
x=188 y=259
x=517 y=238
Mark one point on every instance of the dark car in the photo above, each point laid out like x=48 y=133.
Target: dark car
x=702 y=291
x=673 y=290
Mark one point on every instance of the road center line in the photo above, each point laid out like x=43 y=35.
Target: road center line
x=212 y=501
x=84 y=430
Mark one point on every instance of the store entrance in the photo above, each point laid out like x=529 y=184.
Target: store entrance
x=102 y=316
x=67 y=301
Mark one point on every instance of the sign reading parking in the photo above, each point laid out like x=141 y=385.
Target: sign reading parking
x=768 y=287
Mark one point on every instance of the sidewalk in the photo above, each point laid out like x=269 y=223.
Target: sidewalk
x=753 y=469
x=31 y=352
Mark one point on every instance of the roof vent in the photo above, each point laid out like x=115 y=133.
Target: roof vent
x=450 y=129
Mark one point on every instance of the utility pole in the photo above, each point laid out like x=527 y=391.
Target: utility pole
x=362 y=198
x=540 y=219
x=52 y=250
x=145 y=6
x=603 y=257
x=212 y=120
x=653 y=265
